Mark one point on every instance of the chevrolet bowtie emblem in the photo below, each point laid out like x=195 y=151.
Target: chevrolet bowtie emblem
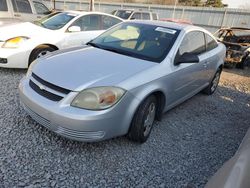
x=42 y=87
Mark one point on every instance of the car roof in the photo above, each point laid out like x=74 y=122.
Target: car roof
x=81 y=13
x=173 y=25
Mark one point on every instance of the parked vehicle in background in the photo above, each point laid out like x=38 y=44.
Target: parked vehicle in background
x=12 y=11
x=122 y=81
x=22 y=43
x=130 y=14
x=237 y=41
x=235 y=172
x=181 y=21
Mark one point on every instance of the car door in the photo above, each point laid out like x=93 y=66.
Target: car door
x=90 y=27
x=188 y=78
x=22 y=10
x=212 y=56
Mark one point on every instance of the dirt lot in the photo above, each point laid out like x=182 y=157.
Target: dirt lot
x=184 y=150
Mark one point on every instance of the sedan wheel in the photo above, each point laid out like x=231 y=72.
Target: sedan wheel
x=210 y=89
x=143 y=120
x=39 y=52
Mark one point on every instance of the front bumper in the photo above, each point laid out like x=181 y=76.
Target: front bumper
x=14 y=58
x=74 y=123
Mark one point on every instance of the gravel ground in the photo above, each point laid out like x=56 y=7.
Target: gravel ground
x=191 y=142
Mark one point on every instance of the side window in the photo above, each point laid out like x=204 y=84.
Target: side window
x=211 y=43
x=136 y=16
x=3 y=6
x=88 y=23
x=22 y=6
x=108 y=22
x=154 y=16
x=40 y=8
x=194 y=42
x=145 y=16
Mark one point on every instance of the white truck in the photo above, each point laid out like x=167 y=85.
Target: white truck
x=12 y=11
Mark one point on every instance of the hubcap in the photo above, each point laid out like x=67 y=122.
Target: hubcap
x=148 y=123
x=42 y=53
x=215 y=81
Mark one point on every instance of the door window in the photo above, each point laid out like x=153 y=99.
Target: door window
x=145 y=16
x=108 y=22
x=136 y=16
x=22 y=6
x=40 y=8
x=88 y=23
x=194 y=42
x=211 y=43
x=3 y=6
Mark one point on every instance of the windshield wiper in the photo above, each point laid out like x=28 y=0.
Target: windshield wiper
x=94 y=45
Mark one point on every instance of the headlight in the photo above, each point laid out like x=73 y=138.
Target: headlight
x=98 y=98
x=14 y=42
x=29 y=72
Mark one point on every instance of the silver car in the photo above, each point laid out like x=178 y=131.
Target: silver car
x=122 y=81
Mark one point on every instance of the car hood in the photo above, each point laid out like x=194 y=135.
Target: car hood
x=88 y=67
x=26 y=29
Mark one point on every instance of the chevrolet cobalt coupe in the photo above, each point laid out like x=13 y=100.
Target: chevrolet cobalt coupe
x=122 y=81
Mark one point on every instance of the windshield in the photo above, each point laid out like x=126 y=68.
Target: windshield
x=148 y=42
x=124 y=14
x=56 y=20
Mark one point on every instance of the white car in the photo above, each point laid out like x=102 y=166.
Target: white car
x=22 y=43
x=18 y=11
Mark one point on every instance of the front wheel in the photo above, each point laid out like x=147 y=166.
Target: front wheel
x=143 y=120
x=39 y=52
x=210 y=89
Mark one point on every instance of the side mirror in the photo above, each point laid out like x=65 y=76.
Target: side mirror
x=74 y=29
x=187 y=58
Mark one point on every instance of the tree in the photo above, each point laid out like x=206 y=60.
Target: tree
x=214 y=3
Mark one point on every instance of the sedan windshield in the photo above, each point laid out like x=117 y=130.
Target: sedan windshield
x=148 y=42
x=56 y=20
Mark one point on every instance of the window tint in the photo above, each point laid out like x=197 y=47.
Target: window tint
x=40 y=8
x=194 y=42
x=211 y=43
x=108 y=22
x=154 y=16
x=88 y=23
x=3 y=6
x=21 y=6
x=145 y=16
x=136 y=16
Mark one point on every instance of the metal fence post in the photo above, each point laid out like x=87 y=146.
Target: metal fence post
x=224 y=16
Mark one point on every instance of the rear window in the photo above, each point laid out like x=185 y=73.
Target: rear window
x=211 y=43
x=3 y=6
x=21 y=6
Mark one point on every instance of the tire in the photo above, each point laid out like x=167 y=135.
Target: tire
x=40 y=51
x=210 y=89
x=143 y=120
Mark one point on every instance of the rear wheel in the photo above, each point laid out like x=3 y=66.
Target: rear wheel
x=143 y=120
x=39 y=52
x=210 y=89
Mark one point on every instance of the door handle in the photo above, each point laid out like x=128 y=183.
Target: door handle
x=205 y=64
x=17 y=15
x=39 y=16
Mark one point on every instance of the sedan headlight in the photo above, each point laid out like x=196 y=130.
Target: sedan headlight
x=98 y=98
x=14 y=42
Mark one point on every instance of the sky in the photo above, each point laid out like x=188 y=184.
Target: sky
x=236 y=3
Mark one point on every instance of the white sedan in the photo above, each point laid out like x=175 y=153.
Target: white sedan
x=22 y=43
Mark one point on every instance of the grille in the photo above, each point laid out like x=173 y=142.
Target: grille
x=52 y=86
x=46 y=89
x=44 y=93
